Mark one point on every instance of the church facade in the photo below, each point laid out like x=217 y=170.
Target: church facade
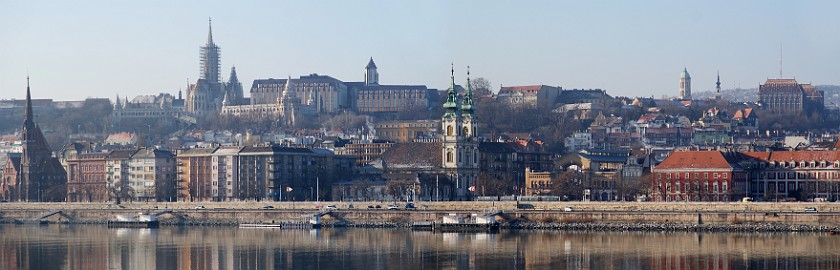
x=34 y=175
x=452 y=162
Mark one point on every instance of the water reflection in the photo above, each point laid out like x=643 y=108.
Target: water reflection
x=97 y=247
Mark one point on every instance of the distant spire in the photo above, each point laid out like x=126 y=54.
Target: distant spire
x=371 y=64
x=467 y=105
x=210 y=31
x=717 y=86
x=27 y=117
x=452 y=71
x=233 y=77
x=452 y=98
x=117 y=104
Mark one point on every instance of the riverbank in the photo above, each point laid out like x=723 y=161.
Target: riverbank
x=585 y=216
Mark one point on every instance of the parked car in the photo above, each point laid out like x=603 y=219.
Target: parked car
x=409 y=206
x=200 y=207
x=331 y=207
x=810 y=209
x=568 y=209
x=268 y=207
x=374 y=206
x=393 y=207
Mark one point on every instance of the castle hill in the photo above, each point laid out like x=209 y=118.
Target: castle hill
x=580 y=136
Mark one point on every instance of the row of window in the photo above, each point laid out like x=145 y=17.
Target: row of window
x=679 y=187
x=801 y=164
x=687 y=176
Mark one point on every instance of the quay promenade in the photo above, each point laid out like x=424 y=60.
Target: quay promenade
x=811 y=214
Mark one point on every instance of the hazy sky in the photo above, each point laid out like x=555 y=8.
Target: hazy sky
x=78 y=49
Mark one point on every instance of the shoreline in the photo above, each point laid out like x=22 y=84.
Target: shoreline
x=570 y=227
x=585 y=216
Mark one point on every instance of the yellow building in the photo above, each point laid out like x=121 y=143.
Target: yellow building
x=537 y=183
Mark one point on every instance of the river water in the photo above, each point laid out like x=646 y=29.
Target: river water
x=98 y=247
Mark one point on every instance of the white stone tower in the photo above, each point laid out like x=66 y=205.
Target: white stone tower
x=685 y=85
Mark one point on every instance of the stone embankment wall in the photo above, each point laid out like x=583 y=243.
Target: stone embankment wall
x=828 y=214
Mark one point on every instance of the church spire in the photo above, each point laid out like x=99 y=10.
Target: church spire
x=717 y=86
x=210 y=31
x=27 y=117
x=232 y=77
x=451 y=104
x=468 y=105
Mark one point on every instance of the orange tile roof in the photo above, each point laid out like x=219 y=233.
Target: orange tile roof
x=646 y=117
x=832 y=155
x=527 y=89
x=694 y=160
x=122 y=136
x=743 y=113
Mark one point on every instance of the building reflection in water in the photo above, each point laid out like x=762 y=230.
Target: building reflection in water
x=97 y=247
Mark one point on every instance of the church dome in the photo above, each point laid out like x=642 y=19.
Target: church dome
x=684 y=74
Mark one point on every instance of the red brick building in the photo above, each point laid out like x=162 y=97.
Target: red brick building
x=696 y=176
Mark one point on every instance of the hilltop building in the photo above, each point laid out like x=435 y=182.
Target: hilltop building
x=161 y=108
x=788 y=96
x=328 y=95
x=205 y=97
x=685 y=85
x=286 y=108
x=372 y=97
x=529 y=95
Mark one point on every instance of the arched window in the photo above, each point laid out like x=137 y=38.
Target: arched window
x=448 y=130
x=449 y=157
x=466 y=131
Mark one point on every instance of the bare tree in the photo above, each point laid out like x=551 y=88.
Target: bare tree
x=489 y=185
x=568 y=184
x=481 y=87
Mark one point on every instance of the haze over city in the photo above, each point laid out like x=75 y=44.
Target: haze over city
x=99 y=49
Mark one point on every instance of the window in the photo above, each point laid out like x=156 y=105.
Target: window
x=715 y=175
x=686 y=175
x=725 y=186
x=668 y=176
x=725 y=175
x=449 y=157
x=705 y=175
x=448 y=130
